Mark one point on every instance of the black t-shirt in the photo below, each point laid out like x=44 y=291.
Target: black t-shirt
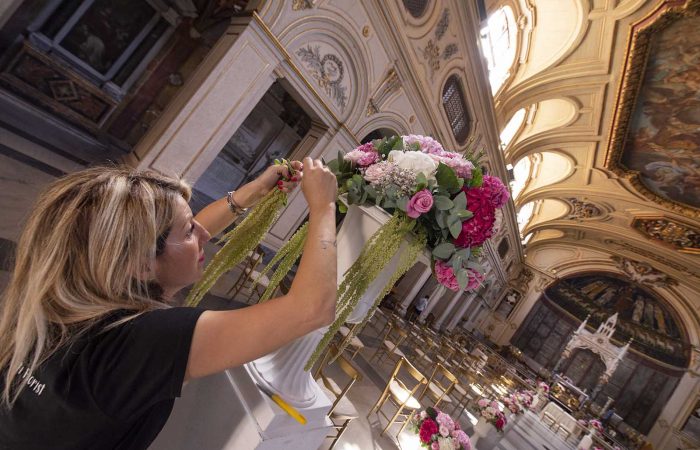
x=110 y=389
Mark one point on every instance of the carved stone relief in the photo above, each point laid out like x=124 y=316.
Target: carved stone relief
x=328 y=70
x=643 y=273
x=652 y=255
x=581 y=210
x=298 y=5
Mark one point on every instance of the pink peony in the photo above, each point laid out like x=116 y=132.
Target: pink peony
x=455 y=161
x=435 y=446
x=427 y=430
x=444 y=431
x=446 y=276
x=444 y=420
x=419 y=204
x=463 y=439
x=376 y=173
x=483 y=403
x=495 y=191
x=426 y=143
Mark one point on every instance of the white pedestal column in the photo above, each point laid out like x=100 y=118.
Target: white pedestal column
x=460 y=312
x=450 y=307
x=434 y=298
x=420 y=282
x=226 y=411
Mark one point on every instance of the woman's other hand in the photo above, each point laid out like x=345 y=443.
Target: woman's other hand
x=319 y=185
x=278 y=176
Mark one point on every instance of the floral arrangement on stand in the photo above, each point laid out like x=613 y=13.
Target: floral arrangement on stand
x=492 y=412
x=592 y=425
x=437 y=199
x=518 y=402
x=542 y=387
x=437 y=431
x=444 y=194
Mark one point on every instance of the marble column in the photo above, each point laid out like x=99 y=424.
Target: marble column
x=433 y=300
x=422 y=279
x=450 y=307
x=460 y=312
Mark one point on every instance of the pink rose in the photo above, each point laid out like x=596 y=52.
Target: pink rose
x=435 y=446
x=420 y=203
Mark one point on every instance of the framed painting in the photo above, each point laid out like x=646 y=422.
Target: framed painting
x=655 y=133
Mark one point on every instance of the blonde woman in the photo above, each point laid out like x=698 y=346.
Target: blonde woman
x=92 y=354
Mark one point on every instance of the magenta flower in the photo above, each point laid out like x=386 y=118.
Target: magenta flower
x=445 y=275
x=475 y=279
x=495 y=191
x=420 y=203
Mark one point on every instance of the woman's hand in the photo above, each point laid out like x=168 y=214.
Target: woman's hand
x=319 y=185
x=277 y=176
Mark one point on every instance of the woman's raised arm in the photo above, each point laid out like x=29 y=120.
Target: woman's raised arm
x=224 y=339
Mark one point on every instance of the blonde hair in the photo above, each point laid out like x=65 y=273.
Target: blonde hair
x=90 y=237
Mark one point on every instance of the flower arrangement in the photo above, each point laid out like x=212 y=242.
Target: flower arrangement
x=542 y=387
x=491 y=411
x=518 y=402
x=437 y=431
x=592 y=424
x=445 y=193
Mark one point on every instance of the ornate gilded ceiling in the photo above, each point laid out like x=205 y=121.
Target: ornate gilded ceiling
x=613 y=140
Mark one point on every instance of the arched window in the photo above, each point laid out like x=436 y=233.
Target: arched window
x=456 y=109
x=498 y=41
x=524 y=215
x=416 y=7
x=512 y=127
x=521 y=175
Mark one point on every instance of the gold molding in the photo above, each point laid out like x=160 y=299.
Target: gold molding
x=668 y=232
x=637 y=53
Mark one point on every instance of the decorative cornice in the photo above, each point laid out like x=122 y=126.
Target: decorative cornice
x=675 y=234
x=298 y=5
x=643 y=273
x=638 y=48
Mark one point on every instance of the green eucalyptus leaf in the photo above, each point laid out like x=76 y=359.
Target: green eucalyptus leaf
x=421 y=179
x=477 y=178
x=443 y=203
x=447 y=178
x=444 y=250
x=397 y=143
x=464 y=253
x=455 y=226
x=466 y=214
x=402 y=203
x=342 y=207
x=462 y=279
x=475 y=266
x=460 y=201
x=456 y=262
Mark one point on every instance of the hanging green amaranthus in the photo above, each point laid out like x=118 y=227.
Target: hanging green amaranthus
x=374 y=257
x=406 y=261
x=239 y=242
x=286 y=256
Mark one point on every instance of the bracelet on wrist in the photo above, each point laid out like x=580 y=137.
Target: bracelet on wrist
x=233 y=206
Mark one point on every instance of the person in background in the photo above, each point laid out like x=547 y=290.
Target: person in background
x=420 y=306
x=93 y=352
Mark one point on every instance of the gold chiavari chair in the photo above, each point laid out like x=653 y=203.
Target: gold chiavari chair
x=342 y=411
x=439 y=387
x=389 y=346
x=400 y=391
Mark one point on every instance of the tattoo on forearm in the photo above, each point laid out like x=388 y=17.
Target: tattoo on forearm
x=326 y=244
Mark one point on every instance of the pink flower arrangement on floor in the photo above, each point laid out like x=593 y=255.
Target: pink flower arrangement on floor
x=492 y=412
x=451 y=201
x=591 y=424
x=543 y=387
x=518 y=402
x=437 y=431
